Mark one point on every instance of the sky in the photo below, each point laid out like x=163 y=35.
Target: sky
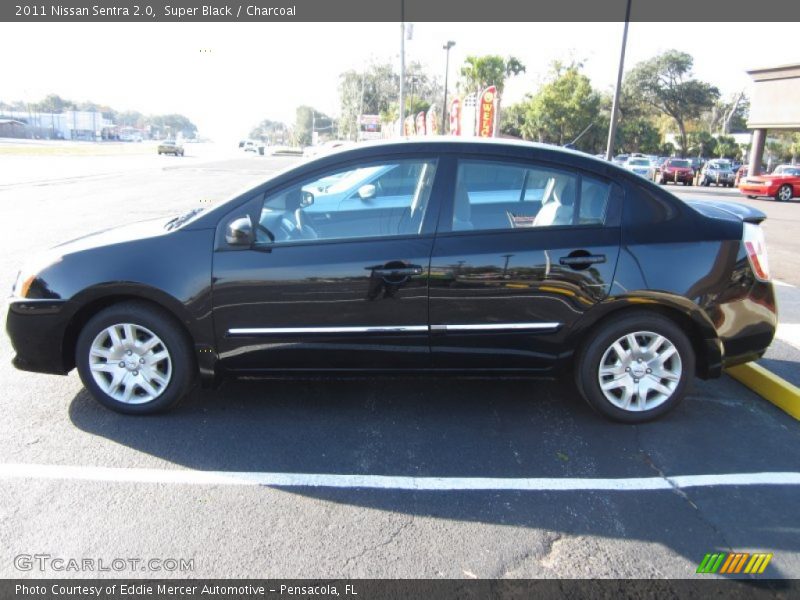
x=227 y=77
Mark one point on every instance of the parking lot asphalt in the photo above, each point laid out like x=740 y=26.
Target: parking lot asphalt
x=451 y=431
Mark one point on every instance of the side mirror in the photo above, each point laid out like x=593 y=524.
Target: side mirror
x=239 y=232
x=365 y=192
x=307 y=199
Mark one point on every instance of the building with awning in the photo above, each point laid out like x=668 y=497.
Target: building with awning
x=11 y=128
x=775 y=104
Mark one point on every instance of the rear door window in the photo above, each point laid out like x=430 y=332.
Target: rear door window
x=493 y=195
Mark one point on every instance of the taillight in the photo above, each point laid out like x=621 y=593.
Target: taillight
x=756 y=247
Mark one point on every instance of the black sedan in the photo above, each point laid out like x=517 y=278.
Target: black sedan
x=436 y=255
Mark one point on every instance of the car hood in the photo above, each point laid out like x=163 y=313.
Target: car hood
x=107 y=237
x=115 y=235
x=721 y=209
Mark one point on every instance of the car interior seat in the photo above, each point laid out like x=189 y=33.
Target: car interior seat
x=558 y=202
x=294 y=220
x=462 y=210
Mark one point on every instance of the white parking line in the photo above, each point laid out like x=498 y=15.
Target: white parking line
x=189 y=477
x=782 y=283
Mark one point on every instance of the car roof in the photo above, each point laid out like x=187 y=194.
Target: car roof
x=466 y=144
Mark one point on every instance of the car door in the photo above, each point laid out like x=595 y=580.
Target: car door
x=314 y=291
x=509 y=279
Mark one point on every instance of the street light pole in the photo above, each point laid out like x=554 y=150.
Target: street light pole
x=612 y=128
x=446 y=48
x=402 y=67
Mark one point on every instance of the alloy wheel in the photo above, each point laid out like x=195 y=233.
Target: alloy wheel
x=639 y=371
x=130 y=363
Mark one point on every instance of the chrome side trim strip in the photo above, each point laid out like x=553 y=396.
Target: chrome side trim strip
x=393 y=329
x=501 y=326
x=289 y=330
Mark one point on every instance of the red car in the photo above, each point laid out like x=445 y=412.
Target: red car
x=676 y=170
x=783 y=184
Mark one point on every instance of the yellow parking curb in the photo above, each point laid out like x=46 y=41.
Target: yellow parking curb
x=769 y=386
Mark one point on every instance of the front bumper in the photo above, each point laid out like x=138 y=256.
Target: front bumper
x=678 y=177
x=719 y=179
x=751 y=189
x=36 y=329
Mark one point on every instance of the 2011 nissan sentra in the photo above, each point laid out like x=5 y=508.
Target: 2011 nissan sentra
x=450 y=256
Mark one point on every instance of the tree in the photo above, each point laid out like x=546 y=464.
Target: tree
x=795 y=147
x=371 y=92
x=728 y=115
x=271 y=132
x=479 y=72
x=306 y=118
x=639 y=135
x=171 y=125
x=53 y=103
x=727 y=147
x=130 y=118
x=666 y=83
x=512 y=119
x=700 y=143
x=563 y=108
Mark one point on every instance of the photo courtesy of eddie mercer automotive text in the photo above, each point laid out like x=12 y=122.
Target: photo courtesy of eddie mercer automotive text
x=430 y=255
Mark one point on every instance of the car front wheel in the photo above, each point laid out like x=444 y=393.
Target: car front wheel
x=636 y=368
x=784 y=193
x=134 y=359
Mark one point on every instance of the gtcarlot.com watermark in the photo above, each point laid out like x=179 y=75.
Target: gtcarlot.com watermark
x=62 y=564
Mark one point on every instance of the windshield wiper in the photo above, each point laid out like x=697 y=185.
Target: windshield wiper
x=180 y=220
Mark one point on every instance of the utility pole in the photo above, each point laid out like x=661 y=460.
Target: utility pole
x=612 y=128
x=402 y=66
x=446 y=48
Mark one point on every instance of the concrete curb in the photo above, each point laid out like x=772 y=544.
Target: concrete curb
x=769 y=386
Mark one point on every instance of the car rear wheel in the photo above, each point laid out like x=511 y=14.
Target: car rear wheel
x=636 y=368
x=784 y=193
x=134 y=359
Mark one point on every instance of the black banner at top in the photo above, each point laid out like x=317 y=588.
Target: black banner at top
x=147 y=11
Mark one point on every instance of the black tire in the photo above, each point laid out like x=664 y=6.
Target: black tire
x=174 y=339
x=784 y=193
x=752 y=197
x=589 y=357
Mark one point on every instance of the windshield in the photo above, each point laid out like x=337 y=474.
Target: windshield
x=342 y=182
x=679 y=163
x=787 y=170
x=639 y=162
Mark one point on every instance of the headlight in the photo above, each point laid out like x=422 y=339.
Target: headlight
x=31 y=271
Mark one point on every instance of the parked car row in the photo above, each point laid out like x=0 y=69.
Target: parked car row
x=686 y=171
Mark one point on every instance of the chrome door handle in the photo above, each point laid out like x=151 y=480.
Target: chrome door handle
x=590 y=259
